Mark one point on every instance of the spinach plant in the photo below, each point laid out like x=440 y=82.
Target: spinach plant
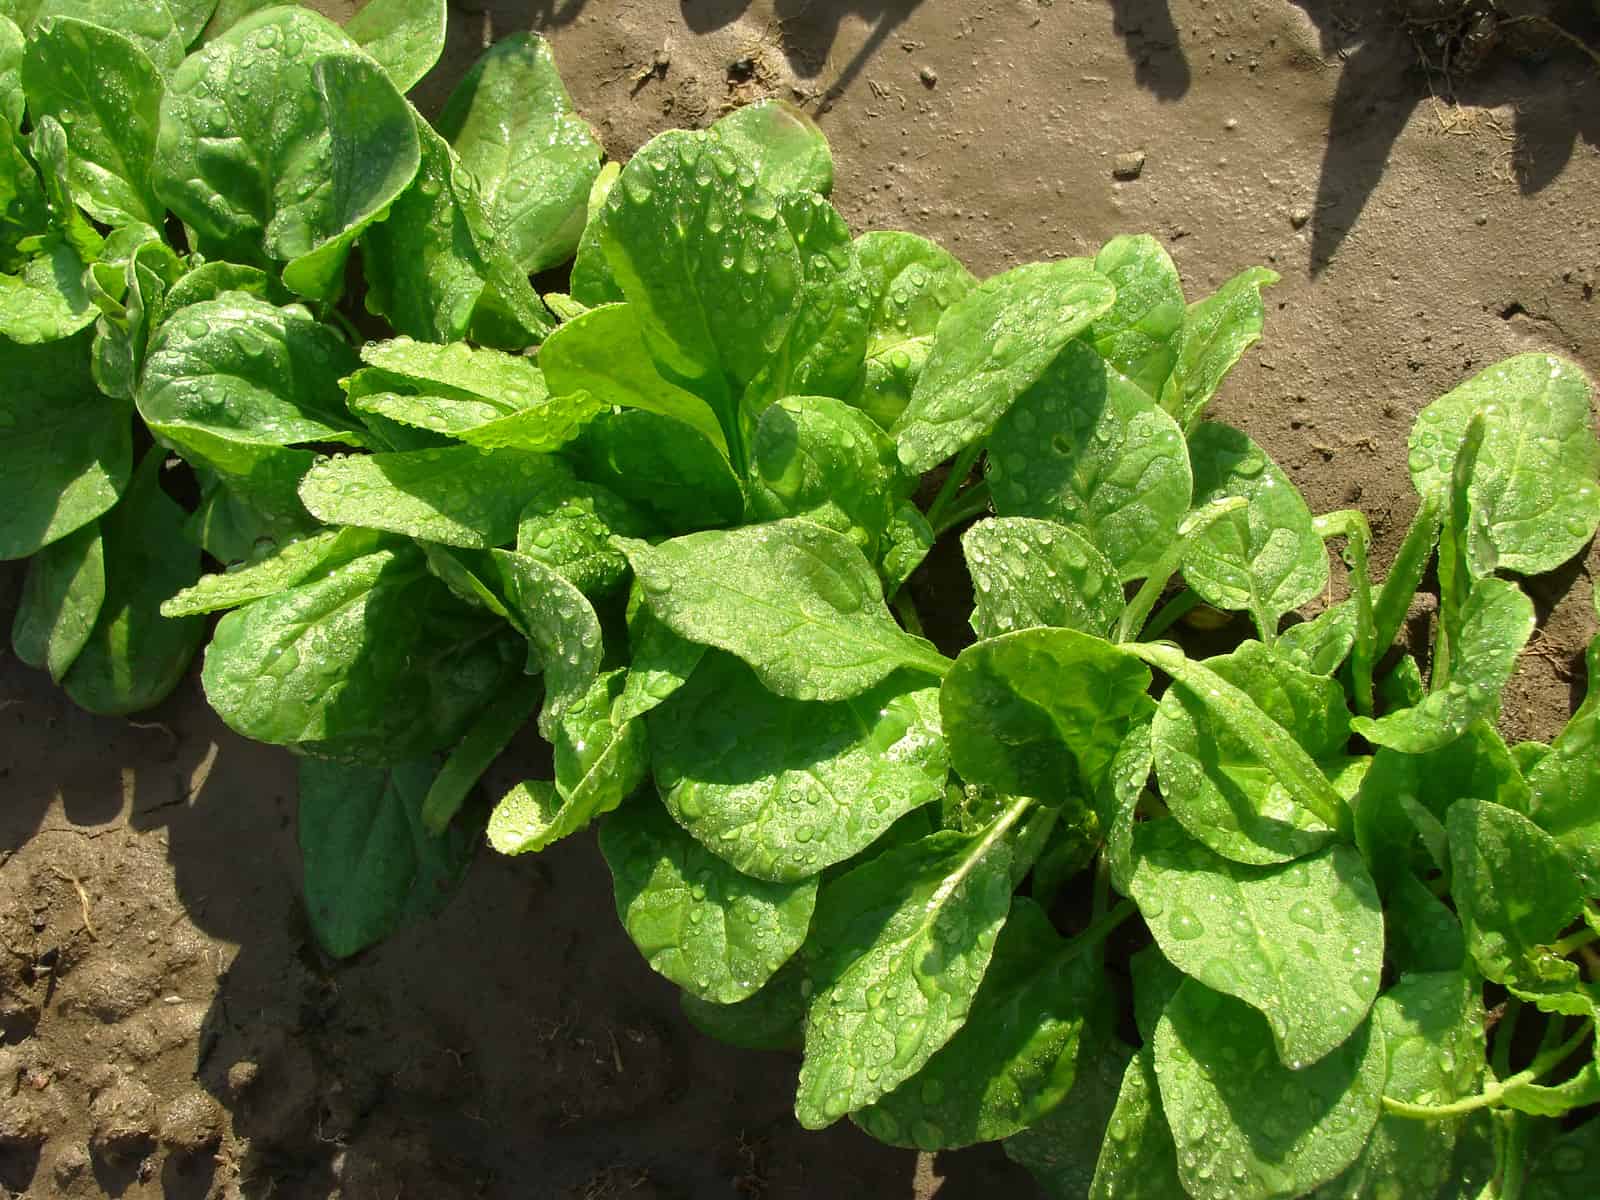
x=1289 y=920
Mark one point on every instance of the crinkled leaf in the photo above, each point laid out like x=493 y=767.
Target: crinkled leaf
x=666 y=467
x=784 y=146
x=1086 y=446
x=717 y=934
x=782 y=788
x=907 y=541
x=61 y=599
x=406 y=37
x=903 y=942
x=1271 y=936
x=1216 y=332
x=563 y=632
x=370 y=866
x=567 y=525
x=1139 y=337
x=991 y=347
x=1029 y=573
x=1321 y=644
x=1041 y=712
x=796 y=601
x=122 y=333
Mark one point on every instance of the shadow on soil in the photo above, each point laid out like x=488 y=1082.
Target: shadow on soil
x=1415 y=52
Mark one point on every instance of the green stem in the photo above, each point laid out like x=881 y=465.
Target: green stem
x=1574 y=941
x=998 y=828
x=971 y=503
x=906 y=608
x=1196 y=523
x=1514 y=1160
x=1358 y=538
x=1405 y=576
x=959 y=470
x=1495 y=1091
x=1505 y=1032
x=1171 y=613
x=1101 y=928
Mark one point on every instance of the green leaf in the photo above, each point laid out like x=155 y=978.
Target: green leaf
x=278 y=143
x=1248 y=1127
x=796 y=601
x=374 y=661
x=906 y=544
x=662 y=465
x=211 y=280
x=1041 y=712
x=603 y=352
x=563 y=631
x=1534 y=497
x=484 y=741
x=772 y=1019
x=1118 y=802
x=707 y=264
x=661 y=660
x=1512 y=887
x=1060 y=1148
x=12 y=100
x=717 y=934
x=823 y=460
x=48 y=146
x=46 y=301
x=784 y=147
x=61 y=599
x=1138 y=1158
x=150 y=26
x=122 y=337
x=512 y=123
x=1433 y=1039
x=1565 y=1169
x=903 y=942
x=567 y=525
x=190 y=17
x=286 y=566
x=1016 y=1057
x=1423 y=935
x=1265 y=559
x=782 y=788
x=592 y=281
x=246 y=372
x=406 y=37
x=133 y=656
x=65 y=450
x=1215 y=783
x=1216 y=333
x=991 y=347
x=1139 y=337
x=1271 y=936
x=459 y=496
x=23 y=212
x=1085 y=446
x=229 y=13
x=106 y=87
x=1030 y=573
x=370 y=866
x=1565 y=784
x=501 y=383
x=911 y=282
x=1496 y=622
x=1321 y=644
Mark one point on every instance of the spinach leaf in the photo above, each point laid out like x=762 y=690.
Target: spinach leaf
x=1016 y=1057
x=907 y=541
x=662 y=661
x=796 y=601
x=484 y=741
x=61 y=600
x=1061 y=1146
x=512 y=125
x=1321 y=644
x=785 y=148
x=110 y=92
x=13 y=45
x=592 y=281
x=46 y=300
x=911 y=282
x=666 y=467
x=1565 y=1170
x=286 y=566
x=1248 y=1127
x=150 y=26
x=1565 y=784
x=1138 y=1156
x=1216 y=332
x=1041 y=712
x=1087 y=447
x=1268 y=935
x=1534 y=496
x=772 y=1019
x=1139 y=336
x=562 y=629
x=991 y=347
x=370 y=866
x=67 y=451
x=567 y=525
x=783 y=788
x=1029 y=573
x=406 y=37
x=903 y=942
x=716 y=933
x=1117 y=802
x=1265 y=559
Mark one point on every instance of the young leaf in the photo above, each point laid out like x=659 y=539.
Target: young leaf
x=406 y=37
x=563 y=632
x=13 y=102
x=785 y=788
x=101 y=82
x=1423 y=935
x=567 y=525
x=785 y=148
x=1496 y=622
x=1247 y=1127
x=46 y=300
x=669 y=469
x=1030 y=573
x=61 y=599
x=189 y=17
x=796 y=601
x=990 y=348
x=151 y=26
x=911 y=282
x=717 y=934
x=1138 y=1157
x=1138 y=338
x=67 y=451
x=903 y=942
x=1041 y=712
x=1016 y=1057
x=1222 y=792
x=484 y=741
x=1216 y=333
x=906 y=544
x=1321 y=644
x=1118 y=802
x=1565 y=784
x=370 y=866
x=511 y=122
x=1265 y=559
x=1085 y=446
x=1268 y=935
x=662 y=662
x=133 y=656
x=1534 y=496
x=592 y=281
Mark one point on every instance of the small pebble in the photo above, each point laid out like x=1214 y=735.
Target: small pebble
x=1481 y=219
x=929 y=77
x=1231 y=124
x=1129 y=165
x=1299 y=215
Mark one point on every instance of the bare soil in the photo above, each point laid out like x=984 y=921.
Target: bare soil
x=167 y=1027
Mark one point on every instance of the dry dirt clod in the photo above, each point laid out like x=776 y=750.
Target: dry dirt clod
x=124 y=1120
x=1300 y=215
x=1128 y=165
x=241 y=1075
x=191 y=1123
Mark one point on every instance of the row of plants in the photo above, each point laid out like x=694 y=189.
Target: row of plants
x=1291 y=920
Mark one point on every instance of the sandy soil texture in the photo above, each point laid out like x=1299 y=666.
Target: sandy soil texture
x=1427 y=189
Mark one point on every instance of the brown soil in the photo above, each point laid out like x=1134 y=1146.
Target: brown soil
x=168 y=1027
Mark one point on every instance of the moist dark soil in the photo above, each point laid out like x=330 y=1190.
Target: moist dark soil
x=1425 y=183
